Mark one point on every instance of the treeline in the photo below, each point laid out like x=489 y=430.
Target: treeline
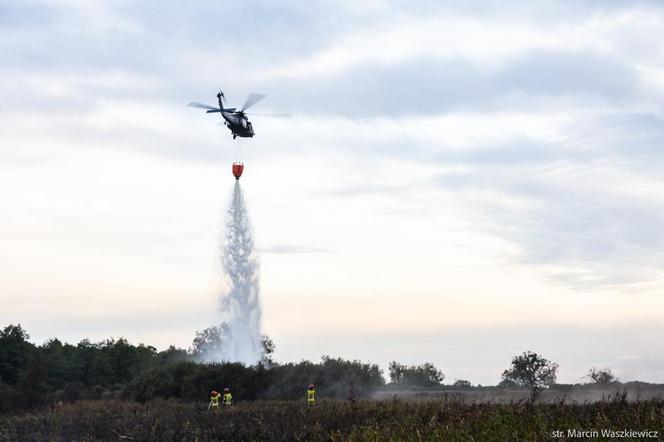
x=31 y=374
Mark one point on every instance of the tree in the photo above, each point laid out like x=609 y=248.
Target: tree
x=145 y=357
x=127 y=359
x=425 y=375
x=346 y=378
x=462 y=383
x=85 y=353
x=209 y=342
x=14 y=352
x=102 y=371
x=507 y=383
x=35 y=377
x=268 y=350
x=601 y=375
x=533 y=371
x=60 y=362
x=171 y=355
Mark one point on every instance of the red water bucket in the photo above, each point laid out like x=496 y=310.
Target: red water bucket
x=237 y=170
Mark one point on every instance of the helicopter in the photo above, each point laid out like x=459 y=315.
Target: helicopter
x=235 y=120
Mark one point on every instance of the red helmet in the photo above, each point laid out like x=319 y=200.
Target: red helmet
x=214 y=393
x=311 y=386
x=226 y=390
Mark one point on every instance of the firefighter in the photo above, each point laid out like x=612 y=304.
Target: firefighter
x=228 y=397
x=214 y=400
x=311 y=394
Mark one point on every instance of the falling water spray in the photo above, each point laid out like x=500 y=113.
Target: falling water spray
x=238 y=338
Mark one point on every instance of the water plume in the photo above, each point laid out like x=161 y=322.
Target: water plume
x=238 y=338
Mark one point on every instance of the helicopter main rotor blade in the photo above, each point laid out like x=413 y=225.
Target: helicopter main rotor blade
x=251 y=100
x=202 y=106
x=271 y=114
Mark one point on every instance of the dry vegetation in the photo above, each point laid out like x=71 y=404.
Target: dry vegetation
x=328 y=420
x=578 y=393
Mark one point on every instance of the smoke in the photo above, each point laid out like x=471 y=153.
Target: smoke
x=238 y=338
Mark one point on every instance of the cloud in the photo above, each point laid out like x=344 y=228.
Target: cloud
x=430 y=144
x=576 y=202
x=535 y=80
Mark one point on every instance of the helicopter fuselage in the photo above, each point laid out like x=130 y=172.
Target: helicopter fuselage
x=238 y=124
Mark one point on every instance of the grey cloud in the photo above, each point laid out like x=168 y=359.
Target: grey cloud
x=422 y=87
x=609 y=234
x=632 y=138
x=615 y=237
x=557 y=72
x=187 y=50
x=439 y=85
x=518 y=151
x=132 y=35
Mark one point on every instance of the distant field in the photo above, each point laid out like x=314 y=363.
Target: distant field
x=397 y=420
x=632 y=391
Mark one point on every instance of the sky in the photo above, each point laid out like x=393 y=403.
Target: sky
x=459 y=182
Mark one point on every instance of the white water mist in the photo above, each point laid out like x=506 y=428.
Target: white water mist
x=239 y=335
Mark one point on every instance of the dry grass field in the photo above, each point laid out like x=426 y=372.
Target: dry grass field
x=372 y=420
